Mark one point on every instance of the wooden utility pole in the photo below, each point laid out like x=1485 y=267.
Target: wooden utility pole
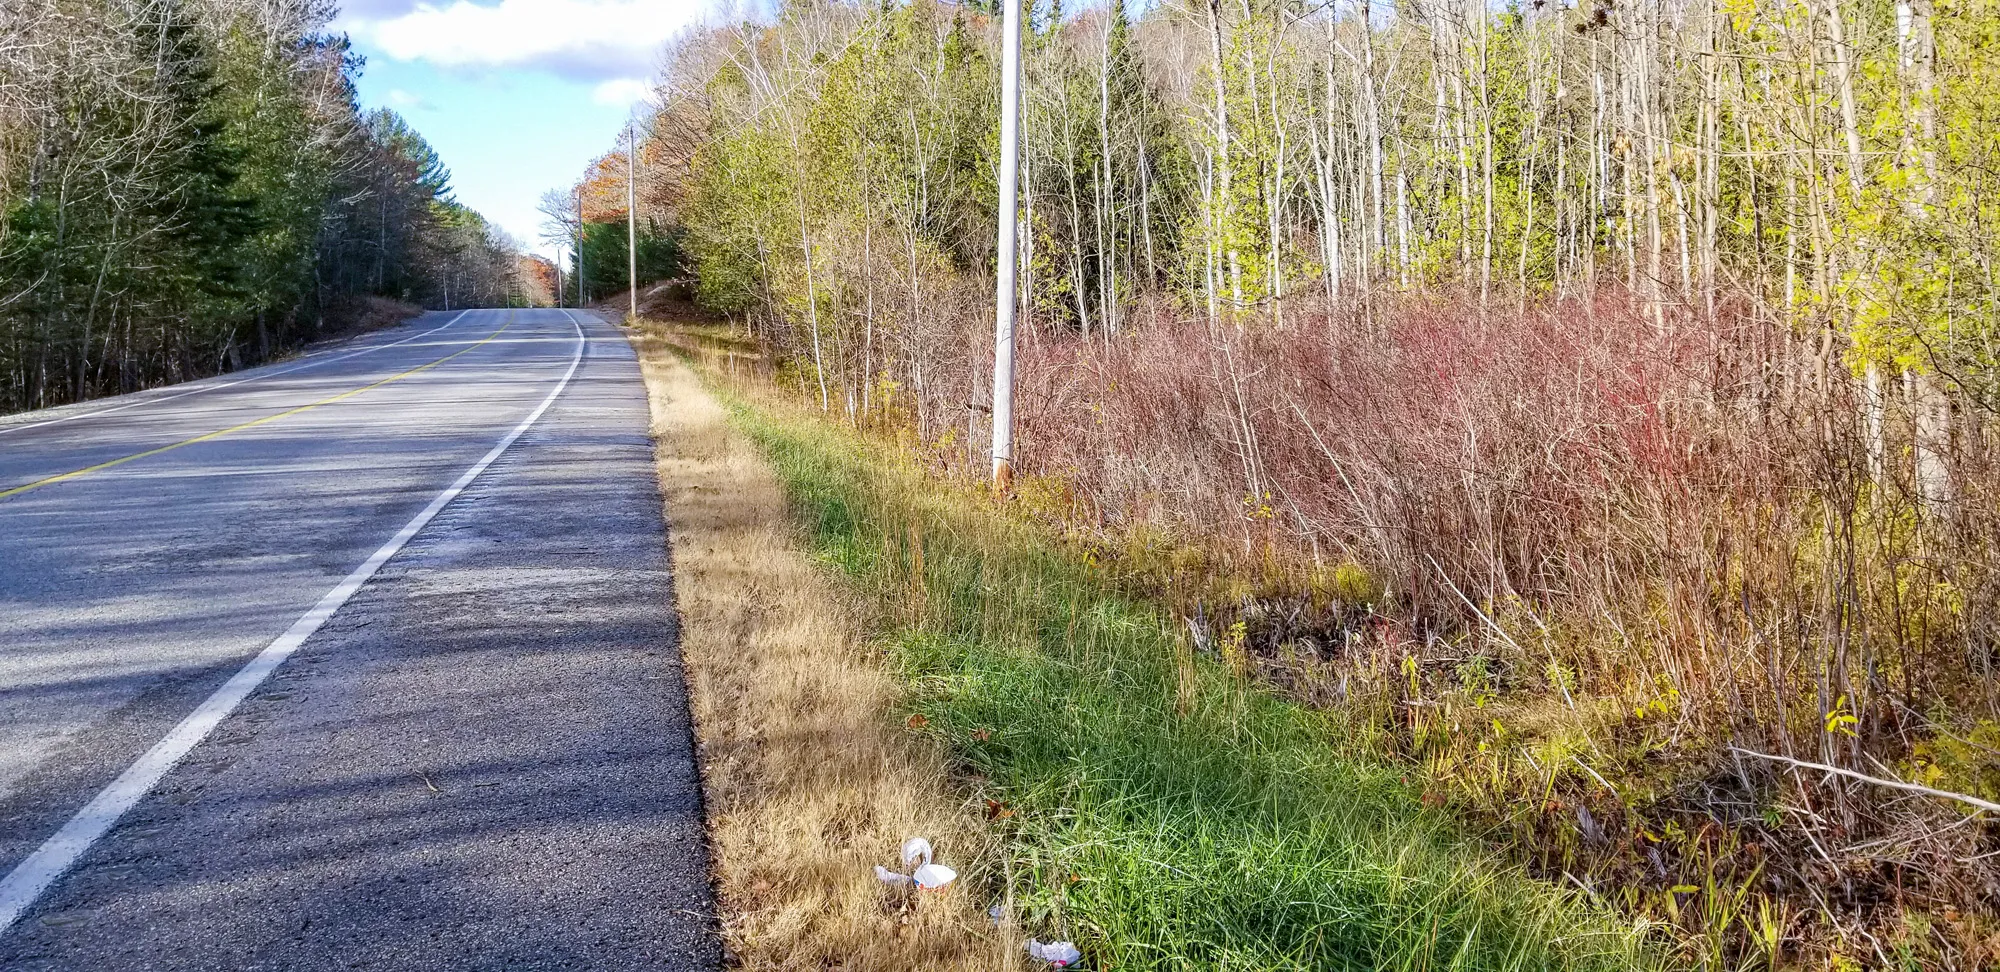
x=580 y=291
x=1003 y=297
x=632 y=217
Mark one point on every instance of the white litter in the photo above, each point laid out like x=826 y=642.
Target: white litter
x=931 y=877
x=1061 y=955
x=927 y=875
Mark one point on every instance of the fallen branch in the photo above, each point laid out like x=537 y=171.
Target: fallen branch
x=1878 y=781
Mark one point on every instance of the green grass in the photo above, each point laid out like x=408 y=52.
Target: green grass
x=1166 y=816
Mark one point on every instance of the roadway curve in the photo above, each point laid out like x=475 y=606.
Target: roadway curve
x=467 y=750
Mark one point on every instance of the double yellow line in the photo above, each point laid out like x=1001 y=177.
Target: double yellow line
x=253 y=423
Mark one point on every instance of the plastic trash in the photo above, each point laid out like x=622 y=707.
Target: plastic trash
x=927 y=875
x=1061 y=955
x=931 y=877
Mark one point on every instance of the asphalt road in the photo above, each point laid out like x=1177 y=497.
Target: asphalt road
x=469 y=750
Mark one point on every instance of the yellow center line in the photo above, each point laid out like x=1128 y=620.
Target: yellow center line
x=253 y=423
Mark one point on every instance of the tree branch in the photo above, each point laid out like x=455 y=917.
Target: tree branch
x=1878 y=781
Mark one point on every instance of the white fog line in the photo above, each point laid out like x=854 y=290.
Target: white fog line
x=301 y=366
x=25 y=884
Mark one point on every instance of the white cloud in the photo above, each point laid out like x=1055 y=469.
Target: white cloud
x=375 y=9
x=405 y=100
x=620 y=92
x=595 y=39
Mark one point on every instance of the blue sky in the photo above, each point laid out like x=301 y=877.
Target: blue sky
x=516 y=95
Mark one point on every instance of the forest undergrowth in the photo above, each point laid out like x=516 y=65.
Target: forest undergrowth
x=1562 y=577
x=1156 y=808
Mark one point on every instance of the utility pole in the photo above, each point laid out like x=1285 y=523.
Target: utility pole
x=632 y=216
x=580 y=292
x=1004 y=297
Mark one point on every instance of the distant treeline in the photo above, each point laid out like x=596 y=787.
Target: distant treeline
x=599 y=198
x=188 y=186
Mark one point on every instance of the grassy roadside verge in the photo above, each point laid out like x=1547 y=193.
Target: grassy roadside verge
x=808 y=784
x=1149 y=805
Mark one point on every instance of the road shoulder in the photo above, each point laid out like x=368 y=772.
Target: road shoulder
x=809 y=784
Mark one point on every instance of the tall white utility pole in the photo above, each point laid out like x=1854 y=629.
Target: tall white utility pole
x=1003 y=297
x=632 y=215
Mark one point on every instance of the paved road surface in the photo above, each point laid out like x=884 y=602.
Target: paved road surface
x=481 y=759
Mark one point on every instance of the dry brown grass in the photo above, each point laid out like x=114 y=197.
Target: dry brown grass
x=809 y=779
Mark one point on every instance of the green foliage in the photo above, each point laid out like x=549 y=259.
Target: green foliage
x=825 y=171
x=604 y=260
